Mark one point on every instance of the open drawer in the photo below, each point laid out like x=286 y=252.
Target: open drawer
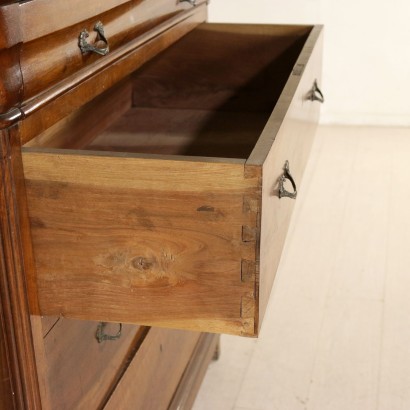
x=166 y=201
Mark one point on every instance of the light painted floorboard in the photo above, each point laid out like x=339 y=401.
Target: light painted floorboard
x=337 y=331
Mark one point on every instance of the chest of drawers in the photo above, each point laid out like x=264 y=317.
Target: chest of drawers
x=150 y=164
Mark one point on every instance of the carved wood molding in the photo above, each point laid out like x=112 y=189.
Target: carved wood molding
x=13 y=290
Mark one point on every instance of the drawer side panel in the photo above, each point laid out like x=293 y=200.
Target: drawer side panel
x=292 y=142
x=152 y=242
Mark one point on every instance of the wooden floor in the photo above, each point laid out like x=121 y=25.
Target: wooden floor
x=337 y=332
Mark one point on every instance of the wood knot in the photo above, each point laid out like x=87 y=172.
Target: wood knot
x=141 y=263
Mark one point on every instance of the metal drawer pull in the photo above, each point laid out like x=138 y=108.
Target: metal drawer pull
x=286 y=175
x=101 y=336
x=86 y=47
x=191 y=2
x=316 y=94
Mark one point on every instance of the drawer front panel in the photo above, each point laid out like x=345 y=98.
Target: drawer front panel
x=24 y=21
x=292 y=143
x=49 y=59
x=81 y=371
x=155 y=372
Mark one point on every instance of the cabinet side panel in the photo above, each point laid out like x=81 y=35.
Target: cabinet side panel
x=6 y=391
x=13 y=286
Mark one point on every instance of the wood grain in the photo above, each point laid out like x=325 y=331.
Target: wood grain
x=183 y=132
x=71 y=93
x=115 y=170
x=184 y=231
x=174 y=234
x=80 y=371
x=80 y=127
x=222 y=67
x=22 y=22
x=11 y=80
x=290 y=92
x=15 y=266
x=7 y=401
x=155 y=371
x=47 y=60
x=188 y=387
x=292 y=141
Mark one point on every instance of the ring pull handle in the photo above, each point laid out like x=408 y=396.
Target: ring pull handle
x=191 y=2
x=286 y=175
x=87 y=48
x=101 y=336
x=316 y=94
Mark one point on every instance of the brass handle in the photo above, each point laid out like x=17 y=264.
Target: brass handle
x=87 y=48
x=286 y=175
x=101 y=336
x=316 y=94
x=191 y=2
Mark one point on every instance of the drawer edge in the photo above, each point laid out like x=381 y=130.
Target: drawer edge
x=268 y=136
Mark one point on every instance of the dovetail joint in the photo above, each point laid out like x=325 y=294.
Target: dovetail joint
x=249 y=234
x=250 y=205
x=248 y=270
x=247 y=307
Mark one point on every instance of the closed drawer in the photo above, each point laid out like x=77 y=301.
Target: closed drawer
x=40 y=40
x=155 y=371
x=81 y=371
x=169 y=213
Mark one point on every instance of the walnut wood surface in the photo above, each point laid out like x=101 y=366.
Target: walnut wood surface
x=288 y=136
x=175 y=235
x=185 y=233
x=222 y=67
x=70 y=94
x=82 y=372
x=190 y=383
x=22 y=22
x=155 y=371
x=11 y=79
x=49 y=59
x=13 y=283
x=189 y=132
x=7 y=401
x=34 y=64
x=79 y=128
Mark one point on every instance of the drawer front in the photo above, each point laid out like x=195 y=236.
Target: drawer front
x=155 y=372
x=36 y=25
x=292 y=144
x=81 y=372
x=47 y=60
x=23 y=22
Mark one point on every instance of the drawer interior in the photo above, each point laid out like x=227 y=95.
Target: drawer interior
x=209 y=95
